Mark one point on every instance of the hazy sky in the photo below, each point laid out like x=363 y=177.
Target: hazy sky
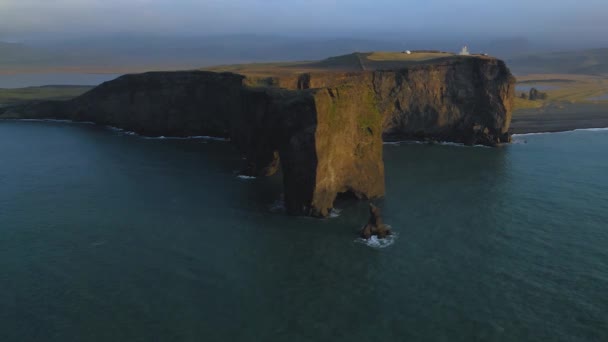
x=331 y=17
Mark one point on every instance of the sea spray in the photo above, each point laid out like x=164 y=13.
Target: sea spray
x=375 y=242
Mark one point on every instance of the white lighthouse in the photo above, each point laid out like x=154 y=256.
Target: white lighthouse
x=464 y=51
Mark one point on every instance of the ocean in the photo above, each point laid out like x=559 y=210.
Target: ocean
x=106 y=236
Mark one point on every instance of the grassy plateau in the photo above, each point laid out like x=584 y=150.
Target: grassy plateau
x=573 y=101
x=19 y=95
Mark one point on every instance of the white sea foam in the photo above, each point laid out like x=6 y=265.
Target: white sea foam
x=335 y=213
x=162 y=137
x=196 y=137
x=98 y=243
x=593 y=129
x=206 y=137
x=374 y=242
x=123 y=131
x=562 y=132
x=442 y=143
x=112 y=128
x=245 y=177
x=406 y=142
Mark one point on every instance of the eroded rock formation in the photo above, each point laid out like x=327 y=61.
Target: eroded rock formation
x=323 y=129
x=375 y=226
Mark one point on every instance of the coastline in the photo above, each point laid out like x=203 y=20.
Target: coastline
x=521 y=131
x=560 y=119
x=120 y=130
x=597 y=129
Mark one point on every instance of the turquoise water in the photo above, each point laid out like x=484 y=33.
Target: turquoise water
x=111 y=237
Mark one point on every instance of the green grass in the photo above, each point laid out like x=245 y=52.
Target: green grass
x=14 y=96
x=413 y=57
x=569 y=106
x=526 y=104
x=379 y=60
x=373 y=117
x=571 y=89
x=351 y=61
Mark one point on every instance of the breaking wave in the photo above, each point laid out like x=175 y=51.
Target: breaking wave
x=162 y=137
x=442 y=143
x=374 y=242
x=335 y=213
x=562 y=132
x=201 y=137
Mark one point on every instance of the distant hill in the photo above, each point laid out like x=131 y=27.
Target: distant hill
x=143 y=52
x=357 y=61
x=590 y=62
x=140 y=52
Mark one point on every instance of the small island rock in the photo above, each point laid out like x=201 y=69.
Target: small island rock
x=375 y=226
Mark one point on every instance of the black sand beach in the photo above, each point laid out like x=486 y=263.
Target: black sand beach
x=557 y=118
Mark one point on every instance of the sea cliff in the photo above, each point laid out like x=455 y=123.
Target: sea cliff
x=323 y=128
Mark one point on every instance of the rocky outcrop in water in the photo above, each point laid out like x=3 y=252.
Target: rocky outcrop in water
x=324 y=130
x=375 y=226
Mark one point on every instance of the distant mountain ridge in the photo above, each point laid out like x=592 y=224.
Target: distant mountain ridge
x=135 y=53
x=592 y=62
x=180 y=52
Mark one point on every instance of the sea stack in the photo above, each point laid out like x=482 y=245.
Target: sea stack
x=374 y=226
x=321 y=123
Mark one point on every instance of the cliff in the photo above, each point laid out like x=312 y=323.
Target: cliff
x=459 y=99
x=324 y=129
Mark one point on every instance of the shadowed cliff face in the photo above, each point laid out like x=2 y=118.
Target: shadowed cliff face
x=467 y=100
x=154 y=104
x=324 y=130
x=326 y=141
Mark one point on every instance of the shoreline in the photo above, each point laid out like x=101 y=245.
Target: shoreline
x=119 y=130
x=522 y=132
x=564 y=118
x=592 y=129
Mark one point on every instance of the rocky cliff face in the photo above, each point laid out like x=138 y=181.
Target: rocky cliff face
x=324 y=130
x=326 y=142
x=467 y=100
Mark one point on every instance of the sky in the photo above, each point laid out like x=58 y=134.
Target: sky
x=69 y=18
